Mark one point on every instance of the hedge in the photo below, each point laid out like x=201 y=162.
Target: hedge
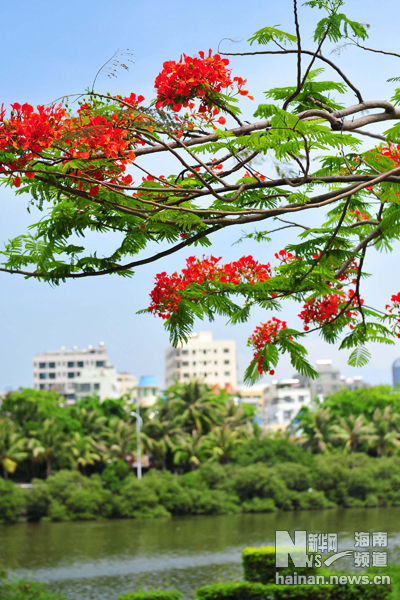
x=257 y=591
x=259 y=566
x=152 y=595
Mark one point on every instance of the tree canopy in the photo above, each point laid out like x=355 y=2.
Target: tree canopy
x=91 y=171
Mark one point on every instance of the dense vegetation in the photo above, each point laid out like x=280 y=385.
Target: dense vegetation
x=207 y=456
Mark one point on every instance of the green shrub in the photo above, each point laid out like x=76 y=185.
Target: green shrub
x=38 y=500
x=115 y=474
x=171 y=495
x=259 y=566
x=257 y=591
x=22 y=589
x=259 y=505
x=138 y=500
x=270 y=451
x=58 y=512
x=11 y=501
x=210 y=502
x=152 y=595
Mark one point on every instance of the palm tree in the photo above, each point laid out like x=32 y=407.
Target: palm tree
x=222 y=442
x=159 y=435
x=91 y=421
x=190 y=449
x=316 y=430
x=83 y=450
x=12 y=446
x=386 y=436
x=49 y=443
x=120 y=438
x=353 y=432
x=195 y=405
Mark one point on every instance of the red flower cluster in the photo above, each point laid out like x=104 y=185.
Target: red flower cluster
x=180 y=82
x=165 y=295
x=322 y=312
x=27 y=134
x=395 y=306
x=283 y=256
x=266 y=333
x=359 y=216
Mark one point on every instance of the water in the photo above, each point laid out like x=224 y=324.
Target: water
x=102 y=560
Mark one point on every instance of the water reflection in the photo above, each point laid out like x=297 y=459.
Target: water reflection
x=101 y=560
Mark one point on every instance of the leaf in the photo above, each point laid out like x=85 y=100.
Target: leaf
x=267 y=34
x=359 y=357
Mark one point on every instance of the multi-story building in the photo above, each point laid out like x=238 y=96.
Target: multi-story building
x=396 y=372
x=76 y=373
x=212 y=361
x=282 y=401
x=253 y=395
x=128 y=384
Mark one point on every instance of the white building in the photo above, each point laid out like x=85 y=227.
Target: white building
x=282 y=401
x=212 y=361
x=76 y=373
x=128 y=384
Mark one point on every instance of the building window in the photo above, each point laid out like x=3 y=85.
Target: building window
x=42 y=375
x=79 y=363
x=185 y=364
x=85 y=387
x=71 y=375
x=71 y=365
x=52 y=365
x=194 y=363
x=288 y=399
x=226 y=362
x=227 y=373
x=185 y=351
x=42 y=365
x=52 y=375
x=71 y=397
x=226 y=350
x=215 y=351
x=96 y=386
x=186 y=374
x=193 y=351
x=42 y=386
x=301 y=398
x=216 y=374
x=100 y=363
x=204 y=351
x=319 y=388
x=287 y=414
x=333 y=376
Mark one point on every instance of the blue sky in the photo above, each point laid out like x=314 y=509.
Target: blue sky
x=50 y=49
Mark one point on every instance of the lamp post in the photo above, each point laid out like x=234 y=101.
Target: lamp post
x=139 y=423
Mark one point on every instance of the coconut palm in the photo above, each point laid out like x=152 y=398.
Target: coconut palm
x=49 y=443
x=12 y=445
x=386 y=436
x=353 y=431
x=91 y=421
x=159 y=435
x=120 y=438
x=316 y=430
x=195 y=405
x=190 y=449
x=222 y=443
x=83 y=449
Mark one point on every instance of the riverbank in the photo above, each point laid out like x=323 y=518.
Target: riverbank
x=355 y=480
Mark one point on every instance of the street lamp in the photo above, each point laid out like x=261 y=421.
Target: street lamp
x=139 y=423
